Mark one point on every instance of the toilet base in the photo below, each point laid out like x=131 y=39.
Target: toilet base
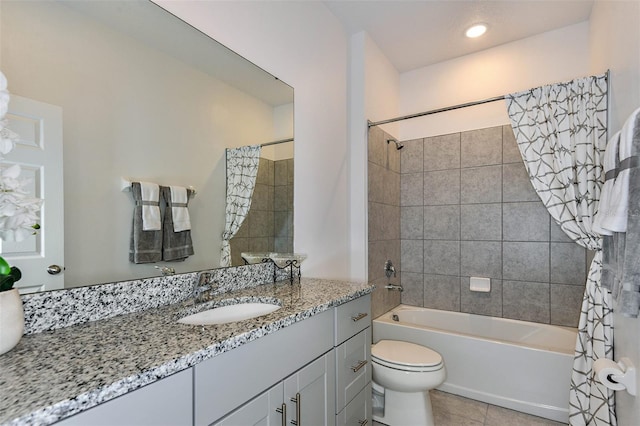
x=406 y=409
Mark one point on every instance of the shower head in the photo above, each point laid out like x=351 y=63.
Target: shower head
x=399 y=145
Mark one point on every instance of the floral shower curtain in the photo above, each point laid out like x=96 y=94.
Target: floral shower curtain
x=242 y=170
x=561 y=133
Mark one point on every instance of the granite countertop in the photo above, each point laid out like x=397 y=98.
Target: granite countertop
x=55 y=374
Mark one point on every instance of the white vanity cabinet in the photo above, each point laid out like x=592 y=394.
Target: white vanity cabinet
x=353 y=362
x=304 y=398
x=168 y=401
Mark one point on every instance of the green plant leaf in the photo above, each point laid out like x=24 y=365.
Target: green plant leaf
x=5 y=269
x=6 y=282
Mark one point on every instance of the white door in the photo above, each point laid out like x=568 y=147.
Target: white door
x=39 y=153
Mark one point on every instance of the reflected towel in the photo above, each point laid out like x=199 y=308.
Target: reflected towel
x=179 y=198
x=150 y=193
x=176 y=245
x=145 y=246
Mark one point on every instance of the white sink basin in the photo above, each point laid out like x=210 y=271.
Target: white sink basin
x=231 y=313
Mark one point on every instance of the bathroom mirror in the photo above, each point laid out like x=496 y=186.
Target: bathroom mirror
x=146 y=97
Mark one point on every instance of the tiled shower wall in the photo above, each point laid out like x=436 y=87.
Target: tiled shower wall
x=269 y=225
x=468 y=209
x=384 y=218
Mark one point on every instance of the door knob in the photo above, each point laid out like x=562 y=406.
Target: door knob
x=54 y=269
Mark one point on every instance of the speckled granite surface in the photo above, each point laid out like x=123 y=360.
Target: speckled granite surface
x=55 y=374
x=63 y=308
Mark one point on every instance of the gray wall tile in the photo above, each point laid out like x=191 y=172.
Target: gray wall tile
x=376 y=221
x=566 y=301
x=481 y=303
x=481 y=147
x=413 y=285
x=568 y=264
x=393 y=157
x=526 y=261
x=411 y=191
x=442 y=152
x=375 y=183
x=411 y=156
x=411 y=222
x=441 y=187
x=527 y=301
x=442 y=292
x=525 y=222
x=377 y=151
x=442 y=222
x=290 y=170
x=557 y=234
x=280 y=173
x=391 y=222
x=412 y=255
x=481 y=259
x=259 y=244
x=481 y=222
x=391 y=187
x=280 y=196
x=516 y=185
x=442 y=257
x=481 y=185
x=510 y=150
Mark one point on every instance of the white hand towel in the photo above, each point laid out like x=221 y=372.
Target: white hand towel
x=151 y=220
x=609 y=165
x=616 y=218
x=181 y=219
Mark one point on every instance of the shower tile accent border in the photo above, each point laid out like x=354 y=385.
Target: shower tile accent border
x=51 y=310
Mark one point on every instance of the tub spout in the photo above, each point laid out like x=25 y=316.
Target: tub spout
x=394 y=287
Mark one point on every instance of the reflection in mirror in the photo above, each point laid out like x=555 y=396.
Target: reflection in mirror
x=144 y=96
x=268 y=227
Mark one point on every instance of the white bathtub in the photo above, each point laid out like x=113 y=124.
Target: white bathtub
x=520 y=365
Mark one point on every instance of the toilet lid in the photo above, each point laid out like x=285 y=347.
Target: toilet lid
x=405 y=353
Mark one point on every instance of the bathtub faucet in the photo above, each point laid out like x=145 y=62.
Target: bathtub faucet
x=394 y=287
x=389 y=269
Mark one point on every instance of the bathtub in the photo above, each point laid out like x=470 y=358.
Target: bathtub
x=520 y=365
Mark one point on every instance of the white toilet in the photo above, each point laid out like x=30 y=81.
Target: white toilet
x=405 y=372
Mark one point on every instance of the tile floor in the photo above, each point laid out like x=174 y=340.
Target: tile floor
x=453 y=410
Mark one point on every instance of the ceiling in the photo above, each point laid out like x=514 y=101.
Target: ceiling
x=414 y=34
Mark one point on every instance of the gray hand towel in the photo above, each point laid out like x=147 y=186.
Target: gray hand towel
x=176 y=245
x=145 y=246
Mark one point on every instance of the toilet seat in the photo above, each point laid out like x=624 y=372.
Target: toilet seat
x=406 y=356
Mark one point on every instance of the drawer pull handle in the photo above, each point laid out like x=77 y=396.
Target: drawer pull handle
x=363 y=422
x=298 y=403
x=283 y=410
x=359 y=317
x=359 y=366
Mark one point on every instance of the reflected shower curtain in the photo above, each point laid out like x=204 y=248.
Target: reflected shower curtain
x=242 y=170
x=561 y=133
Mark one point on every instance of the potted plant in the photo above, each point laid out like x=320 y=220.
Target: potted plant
x=18 y=219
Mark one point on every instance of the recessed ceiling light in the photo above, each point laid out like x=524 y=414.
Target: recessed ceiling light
x=476 y=30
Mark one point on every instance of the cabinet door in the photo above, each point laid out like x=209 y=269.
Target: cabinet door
x=264 y=410
x=166 y=402
x=358 y=411
x=353 y=367
x=310 y=393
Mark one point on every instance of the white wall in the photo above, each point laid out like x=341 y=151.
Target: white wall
x=615 y=44
x=303 y=44
x=531 y=62
x=373 y=91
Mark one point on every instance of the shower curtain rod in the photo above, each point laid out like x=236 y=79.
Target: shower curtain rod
x=435 y=111
x=277 y=142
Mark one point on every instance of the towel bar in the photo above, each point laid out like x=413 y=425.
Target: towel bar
x=125 y=186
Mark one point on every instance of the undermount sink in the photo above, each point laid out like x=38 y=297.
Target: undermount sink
x=230 y=313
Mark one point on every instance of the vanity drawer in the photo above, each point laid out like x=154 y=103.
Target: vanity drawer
x=352 y=318
x=358 y=411
x=353 y=367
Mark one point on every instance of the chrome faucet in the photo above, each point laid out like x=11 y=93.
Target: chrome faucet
x=166 y=270
x=394 y=287
x=202 y=288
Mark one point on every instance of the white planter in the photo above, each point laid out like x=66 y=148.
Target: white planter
x=11 y=320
